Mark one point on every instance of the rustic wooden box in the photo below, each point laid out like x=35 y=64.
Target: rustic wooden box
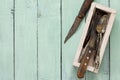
x=111 y=13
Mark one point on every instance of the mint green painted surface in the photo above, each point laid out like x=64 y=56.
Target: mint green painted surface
x=49 y=29
x=32 y=33
x=115 y=44
x=6 y=40
x=69 y=49
x=25 y=40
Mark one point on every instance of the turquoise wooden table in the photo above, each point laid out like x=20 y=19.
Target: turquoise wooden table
x=32 y=33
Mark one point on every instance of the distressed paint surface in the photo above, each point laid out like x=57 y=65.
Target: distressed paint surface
x=25 y=40
x=32 y=33
x=6 y=40
x=49 y=39
x=69 y=49
x=115 y=44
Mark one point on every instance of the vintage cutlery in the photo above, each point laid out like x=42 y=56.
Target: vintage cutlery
x=90 y=49
x=101 y=28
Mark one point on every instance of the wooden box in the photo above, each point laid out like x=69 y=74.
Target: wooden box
x=111 y=13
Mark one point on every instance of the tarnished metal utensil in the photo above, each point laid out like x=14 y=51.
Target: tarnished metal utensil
x=101 y=28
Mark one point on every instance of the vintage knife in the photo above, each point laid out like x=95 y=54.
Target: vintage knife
x=90 y=50
x=85 y=7
x=90 y=46
x=93 y=23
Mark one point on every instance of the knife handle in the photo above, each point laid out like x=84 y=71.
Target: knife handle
x=84 y=62
x=85 y=7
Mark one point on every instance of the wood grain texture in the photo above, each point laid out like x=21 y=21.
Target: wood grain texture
x=103 y=73
x=6 y=40
x=115 y=44
x=70 y=9
x=25 y=40
x=49 y=31
x=37 y=36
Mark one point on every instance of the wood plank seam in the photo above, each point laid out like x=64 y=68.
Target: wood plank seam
x=37 y=44
x=109 y=45
x=61 y=40
x=14 y=39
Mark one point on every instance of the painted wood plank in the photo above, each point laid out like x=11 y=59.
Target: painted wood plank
x=25 y=40
x=6 y=40
x=49 y=29
x=115 y=45
x=103 y=73
x=70 y=9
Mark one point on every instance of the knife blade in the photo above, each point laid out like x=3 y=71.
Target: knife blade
x=85 y=7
